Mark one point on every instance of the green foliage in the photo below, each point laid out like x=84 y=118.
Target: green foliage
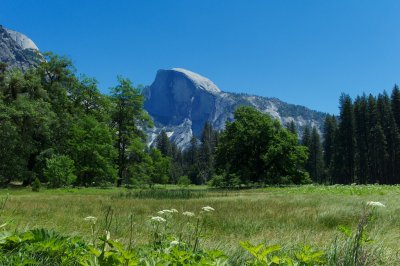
x=160 y=167
x=184 y=181
x=352 y=250
x=271 y=255
x=344 y=158
x=128 y=120
x=256 y=148
x=36 y=185
x=365 y=146
x=60 y=171
x=148 y=168
x=90 y=145
x=315 y=163
x=49 y=110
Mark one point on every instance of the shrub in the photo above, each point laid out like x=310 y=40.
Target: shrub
x=184 y=180
x=36 y=185
x=217 y=181
x=60 y=171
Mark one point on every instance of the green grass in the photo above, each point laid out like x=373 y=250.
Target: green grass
x=288 y=216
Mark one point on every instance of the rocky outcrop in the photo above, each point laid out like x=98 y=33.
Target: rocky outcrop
x=17 y=50
x=181 y=101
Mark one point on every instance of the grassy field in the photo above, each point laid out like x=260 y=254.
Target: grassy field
x=289 y=216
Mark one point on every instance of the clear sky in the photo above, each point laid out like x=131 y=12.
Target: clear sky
x=303 y=52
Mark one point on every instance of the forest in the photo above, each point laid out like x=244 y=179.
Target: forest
x=58 y=129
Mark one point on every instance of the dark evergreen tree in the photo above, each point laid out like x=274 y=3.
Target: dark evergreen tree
x=392 y=138
x=344 y=158
x=192 y=167
x=361 y=118
x=163 y=144
x=206 y=152
x=306 y=142
x=330 y=128
x=315 y=159
x=291 y=126
x=377 y=154
x=396 y=104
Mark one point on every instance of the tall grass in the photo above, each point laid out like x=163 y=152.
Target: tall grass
x=291 y=217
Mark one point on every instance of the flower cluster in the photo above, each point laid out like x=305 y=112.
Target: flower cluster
x=91 y=219
x=158 y=219
x=189 y=214
x=208 y=209
x=375 y=204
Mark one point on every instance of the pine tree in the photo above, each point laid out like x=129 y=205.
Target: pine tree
x=206 y=152
x=315 y=158
x=344 y=161
x=191 y=160
x=291 y=126
x=392 y=137
x=306 y=142
x=330 y=128
x=376 y=144
x=163 y=144
x=360 y=117
x=306 y=137
x=396 y=104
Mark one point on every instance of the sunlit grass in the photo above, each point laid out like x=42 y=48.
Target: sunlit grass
x=287 y=216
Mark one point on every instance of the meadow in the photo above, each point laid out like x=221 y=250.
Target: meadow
x=288 y=216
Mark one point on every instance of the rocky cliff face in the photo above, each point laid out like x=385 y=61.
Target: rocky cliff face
x=181 y=101
x=17 y=50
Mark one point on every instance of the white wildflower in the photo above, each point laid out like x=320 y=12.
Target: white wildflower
x=91 y=219
x=174 y=210
x=160 y=212
x=158 y=219
x=208 y=209
x=375 y=203
x=174 y=243
x=189 y=214
x=167 y=211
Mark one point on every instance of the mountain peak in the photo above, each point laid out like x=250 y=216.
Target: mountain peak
x=201 y=82
x=22 y=40
x=17 y=50
x=181 y=102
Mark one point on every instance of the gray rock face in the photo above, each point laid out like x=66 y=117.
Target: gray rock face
x=17 y=50
x=181 y=101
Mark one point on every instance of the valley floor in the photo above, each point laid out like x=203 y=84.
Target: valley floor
x=287 y=216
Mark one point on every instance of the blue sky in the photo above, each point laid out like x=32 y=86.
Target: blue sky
x=303 y=52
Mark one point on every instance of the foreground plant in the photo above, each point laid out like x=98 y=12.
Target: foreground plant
x=353 y=250
x=273 y=255
x=349 y=252
x=176 y=241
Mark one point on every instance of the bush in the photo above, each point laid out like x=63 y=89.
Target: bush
x=60 y=171
x=36 y=185
x=184 y=181
x=217 y=181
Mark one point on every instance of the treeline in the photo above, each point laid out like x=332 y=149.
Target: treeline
x=253 y=150
x=57 y=128
x=361 y=145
